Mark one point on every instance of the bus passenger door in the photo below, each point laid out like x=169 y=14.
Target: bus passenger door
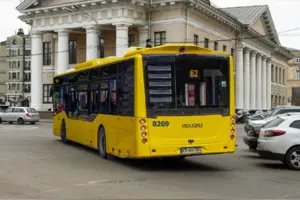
x=125 y=100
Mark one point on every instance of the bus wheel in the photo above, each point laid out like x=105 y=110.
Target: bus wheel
x=102 y=143
x=63 y=132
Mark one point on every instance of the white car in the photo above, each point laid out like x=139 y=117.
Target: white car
x=280 y=140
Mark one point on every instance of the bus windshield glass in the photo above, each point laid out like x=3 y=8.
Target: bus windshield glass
x=186 y=84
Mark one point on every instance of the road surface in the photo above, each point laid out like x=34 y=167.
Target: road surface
x=34 y=164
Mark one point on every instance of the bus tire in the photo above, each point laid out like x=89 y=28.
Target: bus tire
x=102 y=143
x=63 y=132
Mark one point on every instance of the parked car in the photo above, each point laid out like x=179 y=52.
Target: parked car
x=279 y=140
x=252 y=128
x=241 y=116
x=20 y=115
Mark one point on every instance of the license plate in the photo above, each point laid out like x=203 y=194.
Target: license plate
x=190 y=150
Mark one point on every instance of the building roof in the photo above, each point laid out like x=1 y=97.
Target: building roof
x=248 y=15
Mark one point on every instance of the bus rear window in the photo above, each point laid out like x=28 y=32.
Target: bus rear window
x=186 y=85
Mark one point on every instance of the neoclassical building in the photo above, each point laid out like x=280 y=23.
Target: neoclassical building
x=66 y=32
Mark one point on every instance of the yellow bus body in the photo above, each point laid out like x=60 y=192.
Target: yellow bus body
x=123 y=134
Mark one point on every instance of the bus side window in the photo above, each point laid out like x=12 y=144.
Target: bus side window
x=125 y=93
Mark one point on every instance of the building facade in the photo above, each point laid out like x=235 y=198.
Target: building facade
x=65 y=32
x=294 y=79
x=3 y=78
x=18 y=69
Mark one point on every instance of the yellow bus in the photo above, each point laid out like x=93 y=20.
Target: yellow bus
x=170 y=101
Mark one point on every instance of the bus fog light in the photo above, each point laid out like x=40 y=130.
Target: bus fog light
x=232 y=125
x=144 y=134
x=232 y=137
x=232 y=131
x=142 y=121
x=143 y=128
x=144 y=140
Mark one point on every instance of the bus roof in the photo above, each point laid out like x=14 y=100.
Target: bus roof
x=132 y=51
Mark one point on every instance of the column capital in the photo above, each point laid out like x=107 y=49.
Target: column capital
x=143 y=28
x=247 y=50
x=35 y=34
x=269 y=60
x=253 y=53
x=92 y=29
x=122 y=25
x=240 y=47
x=259 y=55
x=264 y=57
x=62 y=31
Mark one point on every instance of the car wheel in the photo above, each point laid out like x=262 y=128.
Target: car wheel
x=10 y=122
x=20 y=121
x=292 y=158
x=102 y=143
x=0 y=120
x=63 y=132
x=32 y=122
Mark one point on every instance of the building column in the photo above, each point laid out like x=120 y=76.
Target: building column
x=253 y=80
x=264 y=83
x=121 y=38
x=239 y=78
x=55 y=37
x=143 y=35
x=63 y=51
x=36 y=70
x=247 y=79
x=258 y=81
x=92 y=43
x=269 y=84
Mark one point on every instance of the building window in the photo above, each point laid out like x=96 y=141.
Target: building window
x=131 y=40
x=279 y=81
x=298 y=75
x=283 y=78
x=232 y=52
x=47 y=98
x=101 y=39
x=216 y=47
x=27 y=52
x=272 y=73
x=160 y=38
x=46 y=53
x=224 y=48
x=297 y=60
x=72 y=52
x=276 y=72
x=206 y=43
x=196 y=39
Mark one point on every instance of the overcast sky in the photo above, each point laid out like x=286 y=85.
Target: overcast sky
x=285 y=14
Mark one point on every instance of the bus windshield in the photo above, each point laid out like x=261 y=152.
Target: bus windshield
x=186 y=84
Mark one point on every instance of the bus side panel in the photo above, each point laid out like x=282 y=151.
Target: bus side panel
x=232 y=142
x=109 y=122
x=57 y=120
x=126 y=136
x=143 y=149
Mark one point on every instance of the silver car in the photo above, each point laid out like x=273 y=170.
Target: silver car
x=20 y=115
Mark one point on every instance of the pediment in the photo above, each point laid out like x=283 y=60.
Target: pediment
x=28 y=4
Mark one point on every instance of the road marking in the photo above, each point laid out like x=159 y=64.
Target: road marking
x=18 y=127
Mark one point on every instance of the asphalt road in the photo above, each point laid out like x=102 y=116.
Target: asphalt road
x=34 y=164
